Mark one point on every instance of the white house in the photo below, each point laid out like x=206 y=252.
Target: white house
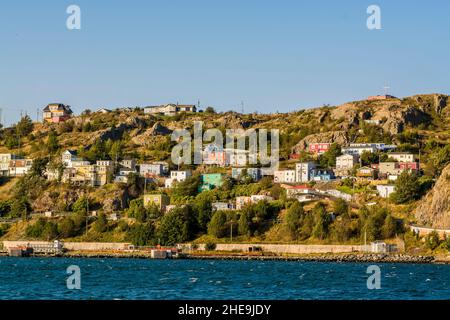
x=385 y=190
x=303 y=171
x=129 y=164
x=242 y=202
x=151 y=169
x=68 y=157
x=20 y=167
x=378 y=146
x=346 y=161
x=358 y=150
x=284 y=176
x=259 y=197
x=402 y=156
x=177 y=176
x=5 y=159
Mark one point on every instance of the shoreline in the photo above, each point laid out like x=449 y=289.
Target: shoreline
x=326 y=258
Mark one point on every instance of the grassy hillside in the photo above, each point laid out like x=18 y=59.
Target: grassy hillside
x=419 y=124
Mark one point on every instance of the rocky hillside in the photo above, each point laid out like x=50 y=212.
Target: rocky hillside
x=434 y=209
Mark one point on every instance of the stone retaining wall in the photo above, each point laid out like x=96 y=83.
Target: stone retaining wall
x=288 y=248
x=75 y=246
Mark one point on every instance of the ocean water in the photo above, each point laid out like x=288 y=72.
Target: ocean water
x=142 y=279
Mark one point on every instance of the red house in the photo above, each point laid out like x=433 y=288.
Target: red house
x=318 y=148
x=413 y=166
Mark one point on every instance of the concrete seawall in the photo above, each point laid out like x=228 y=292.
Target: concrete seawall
x=73 y=246
x=288 y=248
x=244 y=247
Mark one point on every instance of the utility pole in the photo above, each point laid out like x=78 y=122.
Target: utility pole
x=242 y=107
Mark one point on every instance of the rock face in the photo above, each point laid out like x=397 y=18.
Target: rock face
x=116 y=201
x=60 y=201
x=339 y=137
x=434 y=210
x=147 y=137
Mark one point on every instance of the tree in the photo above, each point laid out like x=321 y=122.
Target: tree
x=294 y=218
x=25 y=126
x=407 y=188
x=142 y=234
x=210 y=110
x=321 y=220
x=20 y=207
x=52 y=142
x=244 y=223
x=115 y=152
x=328 y=159
x=50 y=231
x=101 y=225
x=340 y=207
x=5 y=207
x=217 y=225
x=389 y=228
x=373 y=223
x=81 y=205
x=368 y=158
x=439 y=158
x=137 y=210
x=187 y=188
x=39 y=166
x=203 y=208
x=66 y=228
x=35 y=230
x=432 y=240
x=175 y=226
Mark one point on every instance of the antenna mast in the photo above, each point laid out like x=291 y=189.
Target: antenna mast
x=386 y=89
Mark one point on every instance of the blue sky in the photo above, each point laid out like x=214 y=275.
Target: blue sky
x=273 y=55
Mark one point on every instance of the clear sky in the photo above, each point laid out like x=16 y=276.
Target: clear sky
x=273 y=55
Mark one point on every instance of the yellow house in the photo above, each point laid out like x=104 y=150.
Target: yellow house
x=95 y=175
x=160 y=200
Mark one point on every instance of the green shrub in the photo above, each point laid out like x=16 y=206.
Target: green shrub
x=210 y=246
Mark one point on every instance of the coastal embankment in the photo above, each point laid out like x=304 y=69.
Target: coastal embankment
x=263 y=252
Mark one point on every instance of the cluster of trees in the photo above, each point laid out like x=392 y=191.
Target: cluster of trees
x=433 y=241
x=105 y=150
x=374 y=223
x=178 y=225
x=409 y=186
x=328 y=159
x=13 y=136
x=74 y=225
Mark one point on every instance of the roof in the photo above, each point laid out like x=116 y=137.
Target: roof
x=400 y=153
x=72 y=152
x=60 y=107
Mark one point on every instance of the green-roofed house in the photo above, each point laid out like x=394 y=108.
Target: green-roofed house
x=211 y=181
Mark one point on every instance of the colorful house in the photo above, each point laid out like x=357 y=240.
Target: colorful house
x=211 y=181
x=57 y=112
x=319 y=148
x=159 y=200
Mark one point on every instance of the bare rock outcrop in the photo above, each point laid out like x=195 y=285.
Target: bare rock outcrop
x=434 y=209
x=115 y=201
x=148 y=136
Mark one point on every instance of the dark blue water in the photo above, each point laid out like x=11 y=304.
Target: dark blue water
x=45 y=278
